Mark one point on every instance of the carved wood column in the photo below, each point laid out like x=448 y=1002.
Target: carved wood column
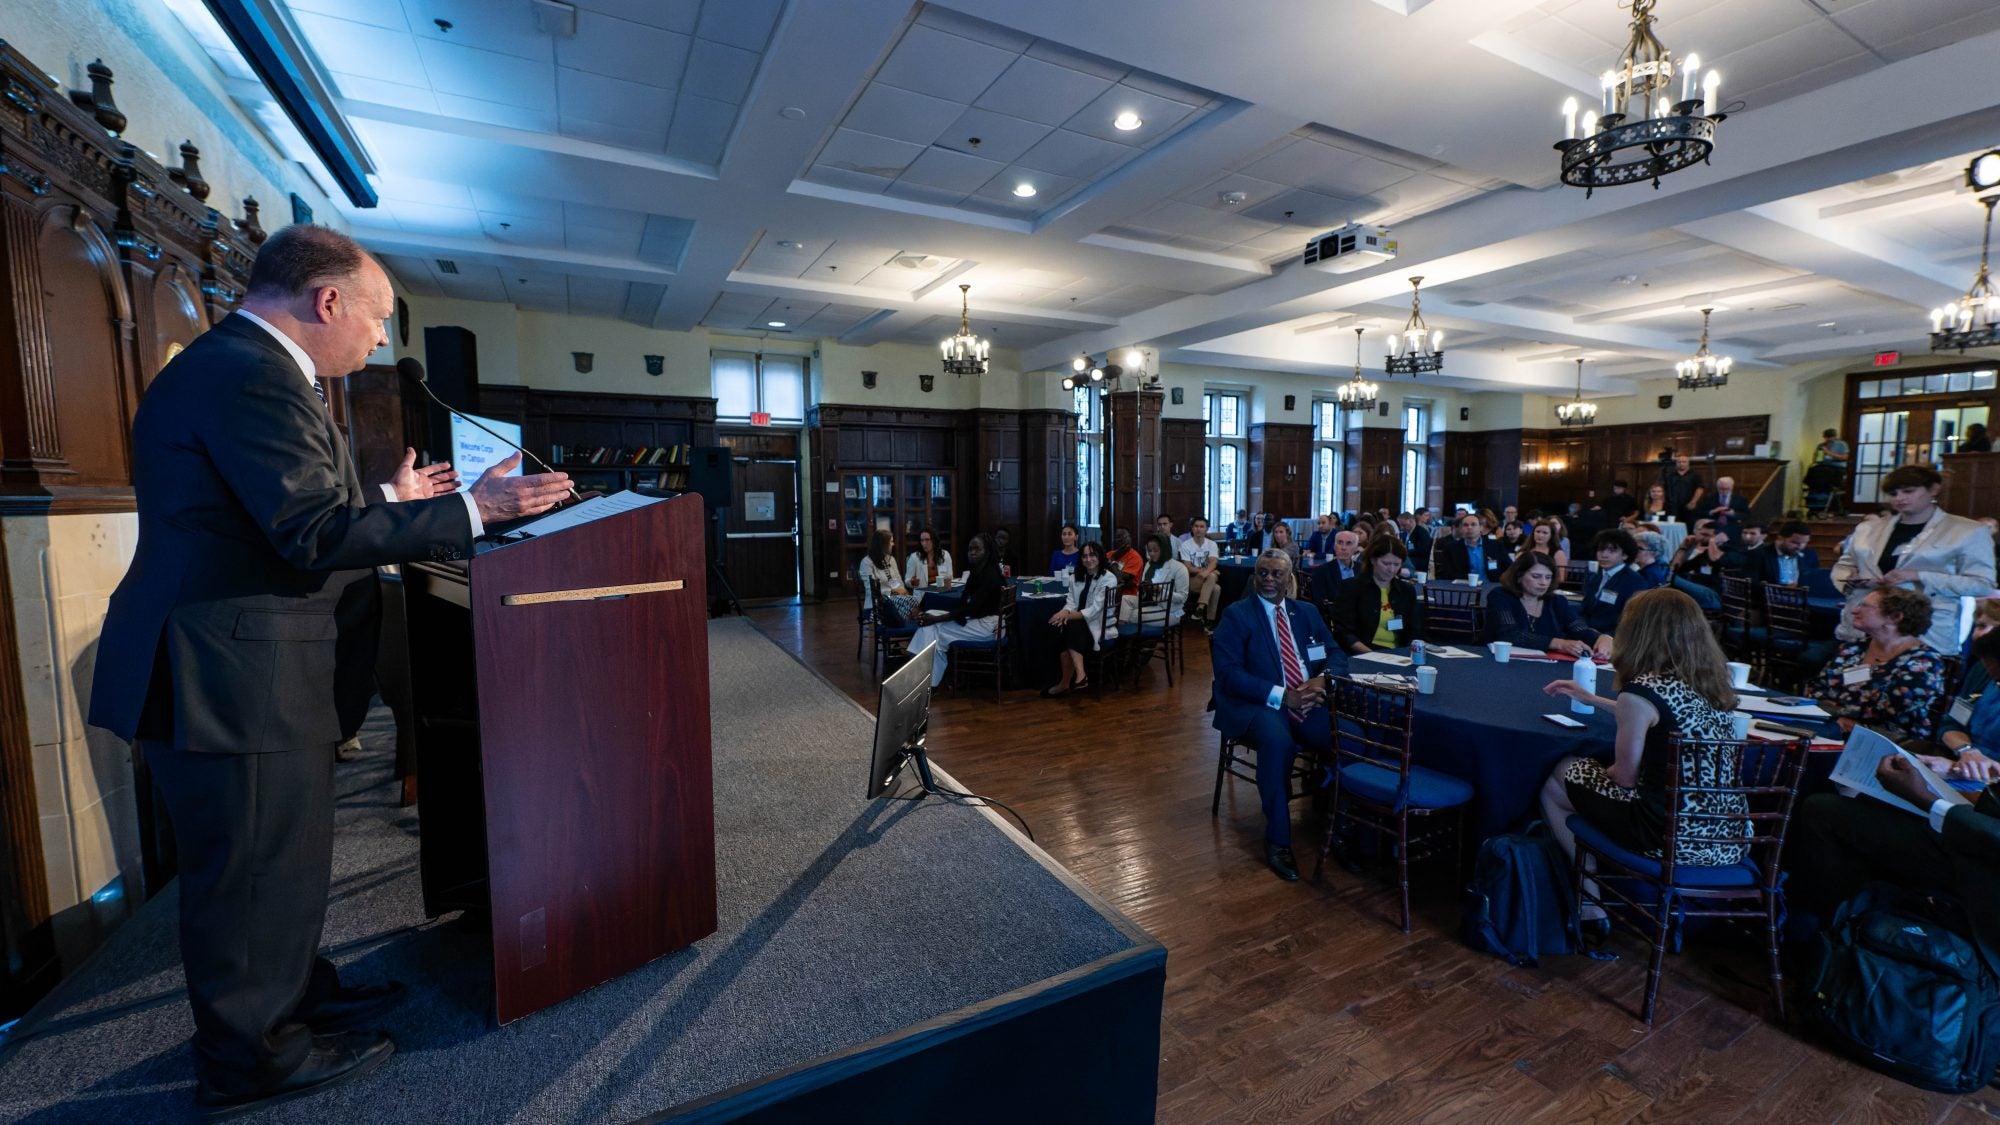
x=1132 y=458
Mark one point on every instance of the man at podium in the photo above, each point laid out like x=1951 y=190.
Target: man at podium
x=220 y=651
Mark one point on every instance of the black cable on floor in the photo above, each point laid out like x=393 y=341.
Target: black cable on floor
x=958 y=797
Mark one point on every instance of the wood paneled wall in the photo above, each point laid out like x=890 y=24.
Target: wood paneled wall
x=1281 y=468
x=1183 y=447
x=1971 y=484
x=1132 y=425
x=1374 y=469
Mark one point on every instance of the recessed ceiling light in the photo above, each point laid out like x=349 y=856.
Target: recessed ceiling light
x=1232 y=198
x=774 y=324
x=1025 y=190
x=788 y=244
x=1126 y=122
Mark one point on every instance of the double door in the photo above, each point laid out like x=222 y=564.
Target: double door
x=1889 y=436
x=901 y=503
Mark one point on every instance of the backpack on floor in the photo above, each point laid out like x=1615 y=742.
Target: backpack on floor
x=1900 y=987
x=1521 y=903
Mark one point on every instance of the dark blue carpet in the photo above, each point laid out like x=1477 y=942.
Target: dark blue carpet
x=841 y=920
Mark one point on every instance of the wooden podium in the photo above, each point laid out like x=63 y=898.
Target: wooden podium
x=561 y=693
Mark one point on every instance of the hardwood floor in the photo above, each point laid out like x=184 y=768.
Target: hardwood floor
x=1303 y=1002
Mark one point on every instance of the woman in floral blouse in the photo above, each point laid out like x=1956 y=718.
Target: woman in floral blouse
x=1890 y=679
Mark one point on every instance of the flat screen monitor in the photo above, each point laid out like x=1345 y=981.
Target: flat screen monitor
x=900 y=718
x=473 y=449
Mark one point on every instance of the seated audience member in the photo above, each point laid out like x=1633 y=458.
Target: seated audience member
x=1890 y=679
x=929 y=566
x=1200 y=555
x=1607 y=591
x=1240 y=528
x=1968 y=739
x=1655 y=509
x=1651 y=561
x=1269 y=528
x=1619 y=504
x=1164 y=524
x=1545 y=537
x=1379 y=608
x=879 y=572
x=1344 y=564
x=1699 y=565
x=1417 y=538
x=977 y=615
x=1281 y=540
x=1092 y=585
x=1673 y=678
x=1160 y=567
x=1123 y=559
x=997 y=545
x=1320 y=543
x=1511 y=513
x=1785 y=558
x=1838 y=845
x=1272 y=656
x=1469 y=553
x=1064 y=556
x=1513 y=537
x=1751 y=538
x=1728 y=507
x=1365 y=528
x=1527 y=613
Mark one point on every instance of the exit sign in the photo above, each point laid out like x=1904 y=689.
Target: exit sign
x=1888 y=359
x=763 y=418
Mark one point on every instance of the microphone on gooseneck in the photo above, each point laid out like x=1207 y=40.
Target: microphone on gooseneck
x=410 y=368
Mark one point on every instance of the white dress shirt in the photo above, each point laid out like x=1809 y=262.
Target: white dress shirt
x=311 y=371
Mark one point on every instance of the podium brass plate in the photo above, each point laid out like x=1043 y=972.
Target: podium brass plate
x=592 y=593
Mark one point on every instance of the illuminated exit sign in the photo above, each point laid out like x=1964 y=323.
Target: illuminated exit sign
x=763 y=417
x=1888 y=359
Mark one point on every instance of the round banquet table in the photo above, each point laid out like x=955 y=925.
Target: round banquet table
x=1036 y=642
x=1484 y=724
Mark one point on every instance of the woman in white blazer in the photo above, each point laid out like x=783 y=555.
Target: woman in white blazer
x=1160 y=566
x=878 y=571
x=929 y=566
x=1919 y=547
x=1092 y=585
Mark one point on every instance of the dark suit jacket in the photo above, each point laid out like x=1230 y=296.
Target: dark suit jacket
x=1327 y=578
x=253 y=529
x=1508 y=619
x=1455 y=562
x=1739 y=508
x=1603 y=615
x=1762 y=564
x=1247 y=666
x=1420 y=548
x=1972 y=835
x=1357 y=611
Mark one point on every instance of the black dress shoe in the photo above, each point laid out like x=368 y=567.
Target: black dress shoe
x=1279 y=858
x=333 y=1059
x=350 y=1008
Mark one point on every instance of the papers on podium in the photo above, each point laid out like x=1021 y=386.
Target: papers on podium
x=591 y=510
x=1855 y=772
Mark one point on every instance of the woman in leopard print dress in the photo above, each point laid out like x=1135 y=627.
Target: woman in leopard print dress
x=1673 y=677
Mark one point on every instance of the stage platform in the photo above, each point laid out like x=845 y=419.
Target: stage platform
x=880 y=961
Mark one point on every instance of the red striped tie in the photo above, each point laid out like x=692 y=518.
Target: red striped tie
x=1288 y=654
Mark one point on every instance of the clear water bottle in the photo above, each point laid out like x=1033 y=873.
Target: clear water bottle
x=1586 y=678
x=1417 y=653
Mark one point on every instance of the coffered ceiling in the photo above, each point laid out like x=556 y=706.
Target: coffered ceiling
x=844 y=168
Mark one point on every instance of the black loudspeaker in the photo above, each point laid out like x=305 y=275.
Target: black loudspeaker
x=712 y=473
x=451 y=361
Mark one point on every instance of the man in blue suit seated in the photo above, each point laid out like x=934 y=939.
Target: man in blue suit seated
x=1788 y=559
x=1612 y=584
x=1271 y=656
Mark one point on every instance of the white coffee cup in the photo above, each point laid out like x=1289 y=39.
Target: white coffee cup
x=1739 y=674
x=1419 y=576
x=1593 y=566
x=1503 y=651
x=1427 y=680
x=1739 y=724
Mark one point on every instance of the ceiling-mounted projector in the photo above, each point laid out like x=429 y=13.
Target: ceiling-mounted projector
x=1349 y=248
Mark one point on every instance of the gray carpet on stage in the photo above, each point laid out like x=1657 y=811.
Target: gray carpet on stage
x=841 y=920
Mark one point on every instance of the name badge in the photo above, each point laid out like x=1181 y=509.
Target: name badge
x=1708 y=570
x=1608 y=597
x=1492 y=564
x=1315 y=652
x=1395 y=624
x=1859 y=675
x=1961 y=712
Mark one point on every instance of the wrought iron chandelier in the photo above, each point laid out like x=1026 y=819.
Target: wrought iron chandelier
x=1643 y=133
x=1972 y=321
x=1357 y=394
x=965 y=354
x=1577 y=412
x=1416 y=349
x=1703 y=368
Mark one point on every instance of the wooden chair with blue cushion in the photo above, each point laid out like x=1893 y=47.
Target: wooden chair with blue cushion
x=1791 y=655
x=1234 y=758
x=1737 y=593
x=891 y=641
x=1103 y=660
x=1376 y=785
x=1454 y=613
x=864 y=615
x=1151 y=637
x=990 y=655
x=1665 y=892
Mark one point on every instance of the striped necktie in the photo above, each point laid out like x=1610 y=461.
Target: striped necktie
x=1288 y=654
x=319 y=389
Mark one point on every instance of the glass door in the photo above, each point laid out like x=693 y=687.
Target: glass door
x=1881 y=444
x=1948 y=428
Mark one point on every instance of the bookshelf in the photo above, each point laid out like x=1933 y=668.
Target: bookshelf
x=611 y=468
x=607 y=441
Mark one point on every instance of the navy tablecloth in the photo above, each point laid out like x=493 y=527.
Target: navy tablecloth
x=1034 y=642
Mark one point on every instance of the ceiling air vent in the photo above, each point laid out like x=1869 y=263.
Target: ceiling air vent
x=913 y=261
x=446 y=265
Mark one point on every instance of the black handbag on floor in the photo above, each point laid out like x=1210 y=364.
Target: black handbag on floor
x=1521 y=903
x=1902 y=987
